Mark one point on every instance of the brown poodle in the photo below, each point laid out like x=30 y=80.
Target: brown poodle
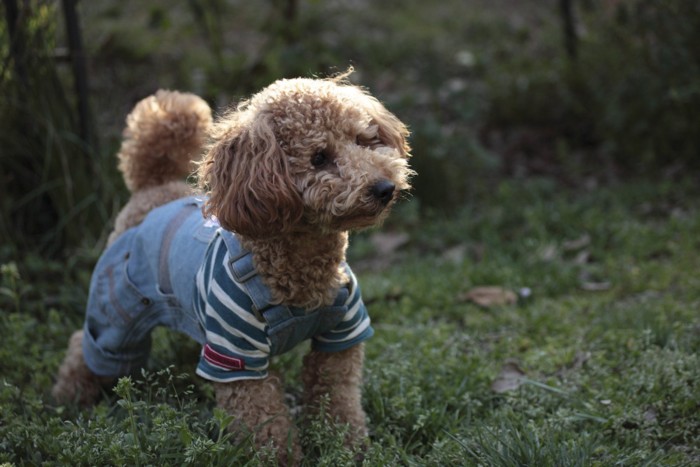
x=286 y=175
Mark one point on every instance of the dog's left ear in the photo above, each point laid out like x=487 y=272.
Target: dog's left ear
x=246 y=172
x=391 y=131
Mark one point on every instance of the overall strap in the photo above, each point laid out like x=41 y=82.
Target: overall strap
x=244 y=272
x=169 y=233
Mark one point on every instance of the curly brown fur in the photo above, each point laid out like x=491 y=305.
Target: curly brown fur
x=259 y=409
x=290 y=171
x=162 y=133
x=337 y=376
x=263 y=185
x=75 y=382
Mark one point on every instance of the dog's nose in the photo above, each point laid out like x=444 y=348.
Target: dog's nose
x=383 y=190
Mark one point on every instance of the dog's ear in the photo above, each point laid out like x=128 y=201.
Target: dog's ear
x=250 y=189
x=391 y=131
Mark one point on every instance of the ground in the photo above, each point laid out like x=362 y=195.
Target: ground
x=598 y=365
x=527 y=182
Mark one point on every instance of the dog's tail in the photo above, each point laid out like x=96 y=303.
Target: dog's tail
x=163 y=134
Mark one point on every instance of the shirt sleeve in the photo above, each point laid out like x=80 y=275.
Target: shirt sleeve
x=354 y=328
x=236 y=346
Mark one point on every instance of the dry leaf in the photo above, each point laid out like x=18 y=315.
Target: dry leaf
x=490 y=296
x=650 y=415
x=455 y=254
x=510 y=378
x=581 y=242
x=590 y=284
x=595 y=286
x=582 y=257
x=549 y=253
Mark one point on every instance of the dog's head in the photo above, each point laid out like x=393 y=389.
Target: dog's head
x=305 y=154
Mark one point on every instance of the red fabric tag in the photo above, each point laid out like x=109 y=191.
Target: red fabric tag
x=221 y=360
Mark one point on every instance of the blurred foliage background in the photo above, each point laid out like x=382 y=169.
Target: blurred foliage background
x=582 y=92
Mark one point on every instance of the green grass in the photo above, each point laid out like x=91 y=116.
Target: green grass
x=611 y=377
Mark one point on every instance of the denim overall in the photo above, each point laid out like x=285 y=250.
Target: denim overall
x=286 y=326
x=146 y=278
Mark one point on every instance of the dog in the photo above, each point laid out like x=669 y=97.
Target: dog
x=252 y=261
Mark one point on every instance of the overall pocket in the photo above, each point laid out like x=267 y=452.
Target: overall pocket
x=121 y=301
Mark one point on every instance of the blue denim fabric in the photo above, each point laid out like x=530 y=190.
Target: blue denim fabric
x=143 y=280
x=286 y=326
x=146 y=278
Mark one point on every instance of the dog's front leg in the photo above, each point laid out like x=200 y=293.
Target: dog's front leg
x=337 y=376
x=258 y=408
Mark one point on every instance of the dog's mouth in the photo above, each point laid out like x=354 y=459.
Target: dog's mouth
x=361 y=217
x=369 y=207
x=369 y=214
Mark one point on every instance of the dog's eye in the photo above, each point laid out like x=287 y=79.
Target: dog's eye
x=368 y=142
x=320 y=159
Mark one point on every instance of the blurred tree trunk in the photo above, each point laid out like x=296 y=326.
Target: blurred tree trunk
x=49 y=139
x=17 y=41
x=570 y=38
x=80 y=77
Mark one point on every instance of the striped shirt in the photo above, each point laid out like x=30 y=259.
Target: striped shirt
x=238 y=343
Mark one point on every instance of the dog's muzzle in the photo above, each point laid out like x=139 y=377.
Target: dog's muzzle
x=383 y=191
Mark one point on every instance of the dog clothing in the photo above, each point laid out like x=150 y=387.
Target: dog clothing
x=181 y=270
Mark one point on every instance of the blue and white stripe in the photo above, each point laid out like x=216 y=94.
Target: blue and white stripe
x=233 y=330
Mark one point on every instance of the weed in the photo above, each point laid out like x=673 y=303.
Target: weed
x=605 y=346
x=607 y=376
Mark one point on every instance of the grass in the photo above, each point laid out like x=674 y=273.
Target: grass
x=605 y=377
x=601 y=357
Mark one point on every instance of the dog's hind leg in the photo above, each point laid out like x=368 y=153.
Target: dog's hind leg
x=76 y=382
